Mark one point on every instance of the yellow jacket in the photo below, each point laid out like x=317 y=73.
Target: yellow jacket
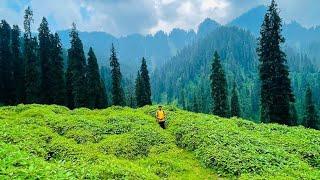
x=160 y=115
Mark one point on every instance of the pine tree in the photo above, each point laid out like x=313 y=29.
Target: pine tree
x=76 y=79
x=32 y=68
x=116 y=90
x=311 y=119
x=138 y=89
x=6 y=65
x=143 y=84
x=18 y=66
x=76 y=72
x=44 y=54
x=235 y=106
x=57 y=90
x=276 y=92
x=219 y=88
x=96 y=90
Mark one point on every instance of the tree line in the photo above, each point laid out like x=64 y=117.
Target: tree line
x=277 y=98
x=32 y=70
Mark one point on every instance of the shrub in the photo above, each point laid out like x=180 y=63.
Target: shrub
x=53 y=142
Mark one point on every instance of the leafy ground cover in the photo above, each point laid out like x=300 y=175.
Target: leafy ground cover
x=53 y=142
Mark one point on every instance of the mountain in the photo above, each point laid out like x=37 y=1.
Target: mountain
x=206 y=27
x=250 y=20
x=292 y=31
x=161 y=46
x=155 y=48
x=301 y=38
x=53 y=142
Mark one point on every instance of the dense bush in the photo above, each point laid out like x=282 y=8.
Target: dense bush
x=235 y=147
x=121 y=143
x=53 y=142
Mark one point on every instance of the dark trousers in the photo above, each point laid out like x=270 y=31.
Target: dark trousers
x=162 y=124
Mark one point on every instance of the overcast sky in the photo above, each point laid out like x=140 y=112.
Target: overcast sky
x=123 y=17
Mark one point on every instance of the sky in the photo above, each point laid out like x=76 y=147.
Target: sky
x=123 y=17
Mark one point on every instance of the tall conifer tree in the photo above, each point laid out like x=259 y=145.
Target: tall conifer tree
x=235 y=105
x=32 y=69
x=276 y=92
x=311 y=118
x=219 y=88
x=6 y=65
x=76 y=72
x=44 y=54
x=96 y=91
x=116 y=77
x=143 y=84
x=57 y=90
x=18 y=65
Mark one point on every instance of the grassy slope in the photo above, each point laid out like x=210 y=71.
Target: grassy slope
x=52 y=141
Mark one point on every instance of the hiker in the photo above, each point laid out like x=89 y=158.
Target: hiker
x=161 y=117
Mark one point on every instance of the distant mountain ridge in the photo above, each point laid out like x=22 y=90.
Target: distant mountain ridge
x=156 y=48
x=161 y=46
x=250 y=20
x=296 y=35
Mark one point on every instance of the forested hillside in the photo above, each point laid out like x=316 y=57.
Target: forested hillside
x=184 y=80
x=186 y=77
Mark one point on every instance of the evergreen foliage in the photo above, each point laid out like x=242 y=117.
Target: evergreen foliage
x=219 y=90
x=138 y=89
x=311 y=118
x=44 y=55
x=32 y=68
x=276 y=92
x=57 y=89
x=143 y=88
x=18 y=66
x=76 y=72
x=96 y=91
x=293 y=115
x=6 y=76
x=188 y=71
x=118 y=98
x=235 y=105
x=103 y=98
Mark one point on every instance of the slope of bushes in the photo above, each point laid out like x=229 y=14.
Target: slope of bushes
x=38 y=141
x=52 y=142
x=235 y=147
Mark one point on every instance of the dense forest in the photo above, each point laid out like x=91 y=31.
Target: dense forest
x=38 y=69
x=185 y=81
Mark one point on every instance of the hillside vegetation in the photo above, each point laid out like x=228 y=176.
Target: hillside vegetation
x=53 y=142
